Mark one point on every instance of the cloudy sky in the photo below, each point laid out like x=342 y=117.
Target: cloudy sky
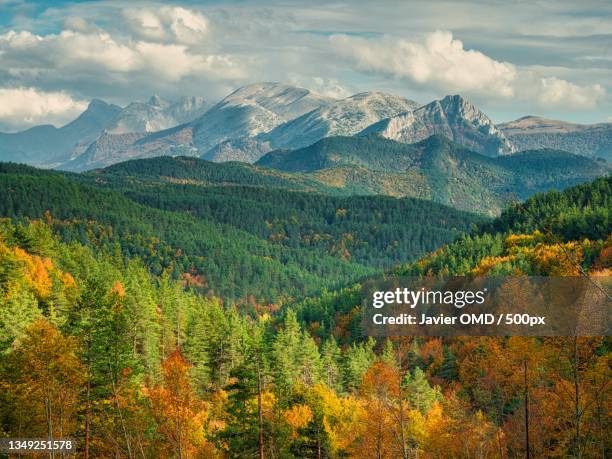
x=549 y=58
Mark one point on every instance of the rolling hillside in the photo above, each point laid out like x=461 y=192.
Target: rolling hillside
x=436 y=169
x=215 y=257
x=555 y=233
x=230 y=239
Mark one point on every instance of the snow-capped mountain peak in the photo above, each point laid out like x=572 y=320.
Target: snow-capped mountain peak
x=253 y=110
x=342 y=117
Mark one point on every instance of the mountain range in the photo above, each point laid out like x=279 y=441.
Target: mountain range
x=435 y=169
x=264 y=117
x=532 y=132
x=49 y=146
x=342 y=117
x=100 y=123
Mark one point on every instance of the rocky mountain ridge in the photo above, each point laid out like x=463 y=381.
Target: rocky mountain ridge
x=453 y=117
x=258 y=118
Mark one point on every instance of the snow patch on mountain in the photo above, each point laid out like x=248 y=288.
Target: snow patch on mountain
x=343 y=117
x=253 y=110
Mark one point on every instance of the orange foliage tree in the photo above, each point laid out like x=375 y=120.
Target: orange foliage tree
x=179 y=414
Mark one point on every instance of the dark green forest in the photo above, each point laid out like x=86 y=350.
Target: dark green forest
x=234 y=241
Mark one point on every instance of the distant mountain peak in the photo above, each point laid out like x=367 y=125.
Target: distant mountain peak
x=157 y=101
x=452 y=116
x=535 y=132
x=343 y=117
x=455 y=99
x=281 y=99
x=254 y=110
x=98 y=103
x=259 y=92
x=157 y=114
x=458 y=105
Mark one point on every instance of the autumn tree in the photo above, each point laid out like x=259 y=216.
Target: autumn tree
x=179 y=414
x=338 y=421
x=380 y=387
x=43 y=377
x=581 y=378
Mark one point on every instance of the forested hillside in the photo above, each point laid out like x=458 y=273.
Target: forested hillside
x=562 y=394
x=140 y=367
x=188 y=170
x=436 y=169
x=376 y=231
x=234 y=241
x=554 y=233
x=206 y=254
x=254 y=229
x=166 y=296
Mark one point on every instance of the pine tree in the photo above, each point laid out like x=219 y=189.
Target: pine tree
x=418 y=391
x=331 y=360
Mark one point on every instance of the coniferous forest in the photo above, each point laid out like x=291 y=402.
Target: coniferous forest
x=194 y=316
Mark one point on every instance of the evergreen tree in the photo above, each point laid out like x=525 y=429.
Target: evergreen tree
x=419 y=393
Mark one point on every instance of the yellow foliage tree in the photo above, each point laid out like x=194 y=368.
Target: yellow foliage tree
x=43 y=379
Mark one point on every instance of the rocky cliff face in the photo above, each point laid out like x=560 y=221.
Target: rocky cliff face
x=453 y=117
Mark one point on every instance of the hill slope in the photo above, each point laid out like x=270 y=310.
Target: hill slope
x=220 y=257
x=236 y=239
x=194 y=171
x=436 y=169
x=578 y=218
x=376 y=231
x=550 y=234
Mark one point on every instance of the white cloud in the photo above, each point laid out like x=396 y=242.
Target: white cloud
x=505 y=59
x=555 y=92
x=72 y=54
x=440 y=61
x=329 y=87
x=167 y=24
x=21 y=107
x=77 y=24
